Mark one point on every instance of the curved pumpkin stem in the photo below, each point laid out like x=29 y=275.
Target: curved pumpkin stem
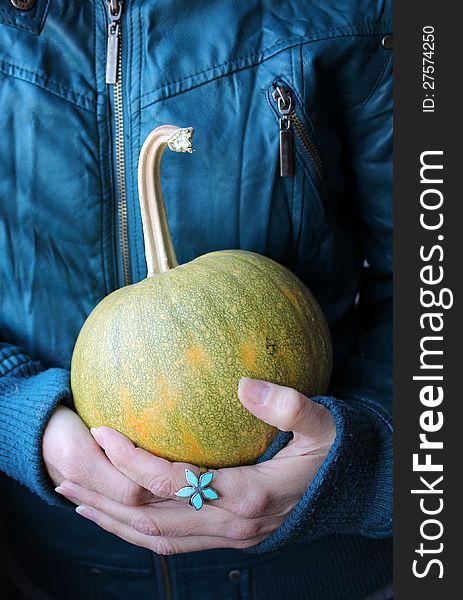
x=159 y=250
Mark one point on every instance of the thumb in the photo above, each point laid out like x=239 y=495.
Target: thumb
x=287 y=409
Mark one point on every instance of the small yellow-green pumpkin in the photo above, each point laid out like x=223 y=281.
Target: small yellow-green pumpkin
x=160 y=360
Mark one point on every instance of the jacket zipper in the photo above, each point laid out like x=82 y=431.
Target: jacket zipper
x=114 y=78
x=290 y=122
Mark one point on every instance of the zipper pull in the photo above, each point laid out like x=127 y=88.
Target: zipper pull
x=285 y=106
x=114 y=33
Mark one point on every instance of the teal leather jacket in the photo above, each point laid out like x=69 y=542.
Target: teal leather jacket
x=71 y=232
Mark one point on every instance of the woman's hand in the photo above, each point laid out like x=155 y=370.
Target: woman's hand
x=70 y=453
x=253 y=500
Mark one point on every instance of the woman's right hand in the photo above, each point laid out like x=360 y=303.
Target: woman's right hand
x=70 y=452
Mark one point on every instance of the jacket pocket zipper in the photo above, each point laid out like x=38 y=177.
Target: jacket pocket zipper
x=291 y=122
x=114 y=78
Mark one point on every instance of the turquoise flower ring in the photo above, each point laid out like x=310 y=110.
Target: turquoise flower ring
x=197 y=491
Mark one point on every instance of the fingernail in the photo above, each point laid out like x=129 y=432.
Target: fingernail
x=65 y=492
x=98 y=435
x=254 y=390
x=87 y=512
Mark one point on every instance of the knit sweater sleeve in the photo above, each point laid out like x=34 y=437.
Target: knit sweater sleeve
x=28 y=395
x=352 y=491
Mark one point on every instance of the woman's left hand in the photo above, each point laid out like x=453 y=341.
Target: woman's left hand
x=253 y=500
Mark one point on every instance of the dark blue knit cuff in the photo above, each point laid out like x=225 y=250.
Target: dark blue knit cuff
x=28 y=396
x=352 y=491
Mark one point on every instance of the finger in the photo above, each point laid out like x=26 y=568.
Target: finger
x=287 y=409
x=161 y=545
x=70 y=452
x=116 y=486
x=158 y=475
x=172 y=519
x=103 y=477
x=245 y=491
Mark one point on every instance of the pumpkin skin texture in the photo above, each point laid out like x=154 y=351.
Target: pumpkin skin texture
x=160 y=360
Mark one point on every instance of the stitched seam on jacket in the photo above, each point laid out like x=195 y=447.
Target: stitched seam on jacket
x=196 y=84
x=236 y=64
x=134 y=267
x=140 y=260
x=33 y=77
x=375 y=85
x=140 y=71
x=293 y=81
x=19 y=25
x=294 y=41
x=13 y=23
x=100 y=162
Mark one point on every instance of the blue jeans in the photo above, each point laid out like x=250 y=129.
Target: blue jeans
x=73 y=559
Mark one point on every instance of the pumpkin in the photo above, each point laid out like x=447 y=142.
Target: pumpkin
x=160 y=360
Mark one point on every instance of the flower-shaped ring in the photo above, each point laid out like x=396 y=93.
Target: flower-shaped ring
x=197 y=490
